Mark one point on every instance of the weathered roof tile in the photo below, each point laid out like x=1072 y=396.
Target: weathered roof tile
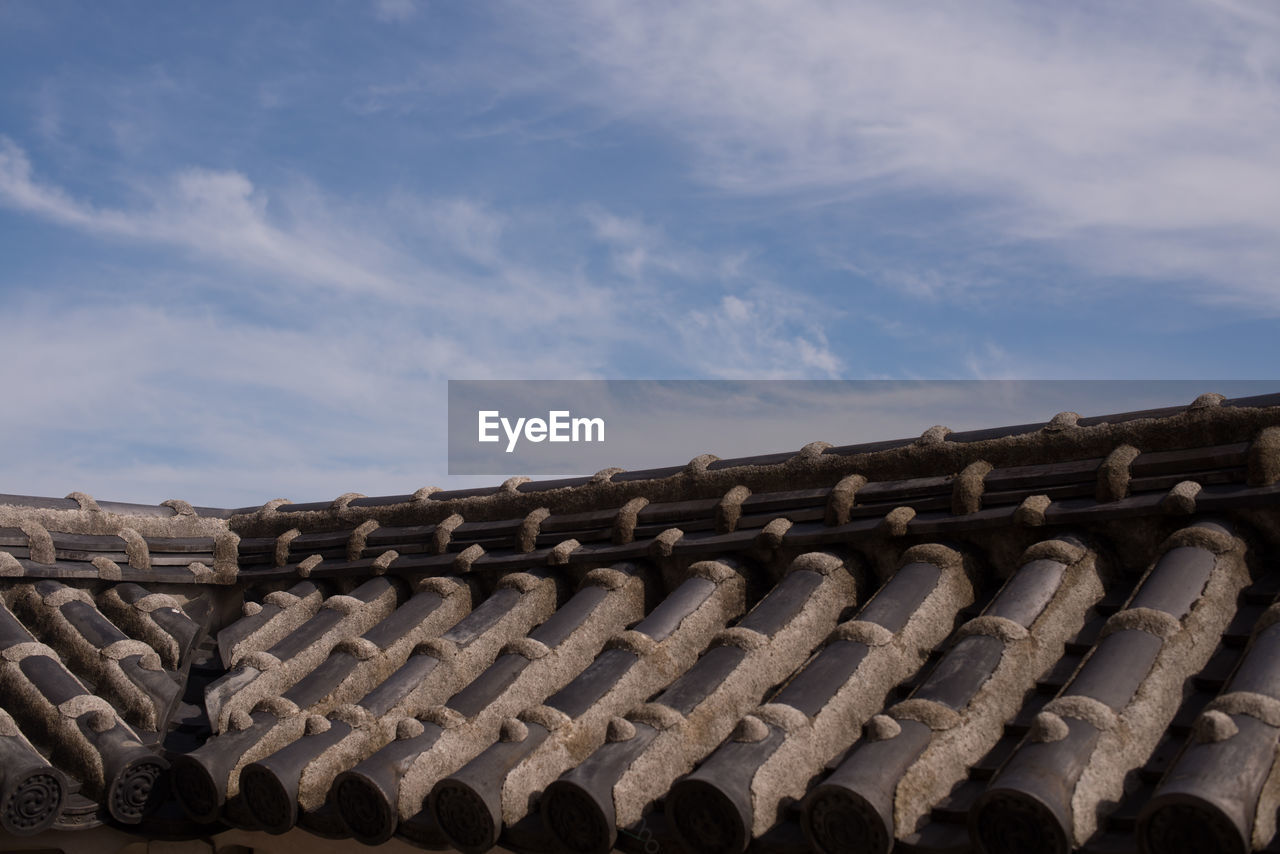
x=1041 y=613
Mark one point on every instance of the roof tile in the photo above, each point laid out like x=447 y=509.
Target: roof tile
x=960 y=639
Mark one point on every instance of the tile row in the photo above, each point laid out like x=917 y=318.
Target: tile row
x=393 y=710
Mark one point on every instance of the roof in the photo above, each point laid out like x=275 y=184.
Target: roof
x=1056 y=636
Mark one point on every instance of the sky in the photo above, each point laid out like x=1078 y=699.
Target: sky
x=246 y=245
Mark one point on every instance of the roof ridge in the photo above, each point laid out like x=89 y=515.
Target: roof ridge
x=1210 y=419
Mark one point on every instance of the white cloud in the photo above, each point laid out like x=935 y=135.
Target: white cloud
x=640 y=249
x=765 y=333
x=1125 y=129
x=395 y=11
x=409 y=252
x=309 y=352
x=306 y=350
x=469 y=227
x=213 y=214
x=140 y=402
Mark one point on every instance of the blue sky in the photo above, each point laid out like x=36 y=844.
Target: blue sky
x=245 y=244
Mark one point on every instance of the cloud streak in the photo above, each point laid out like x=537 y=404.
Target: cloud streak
x=309 y=352
x=213 y=214
x=1105 y=133
x=256 y=267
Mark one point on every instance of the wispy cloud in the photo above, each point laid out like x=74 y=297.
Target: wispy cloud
x=214 y=214
x=150 y=401
x=395 y=10
x=256 y=266
x=318 y=333
x=1104 y=133
x=427 y=254
x=640 y=249
x=763 y=333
